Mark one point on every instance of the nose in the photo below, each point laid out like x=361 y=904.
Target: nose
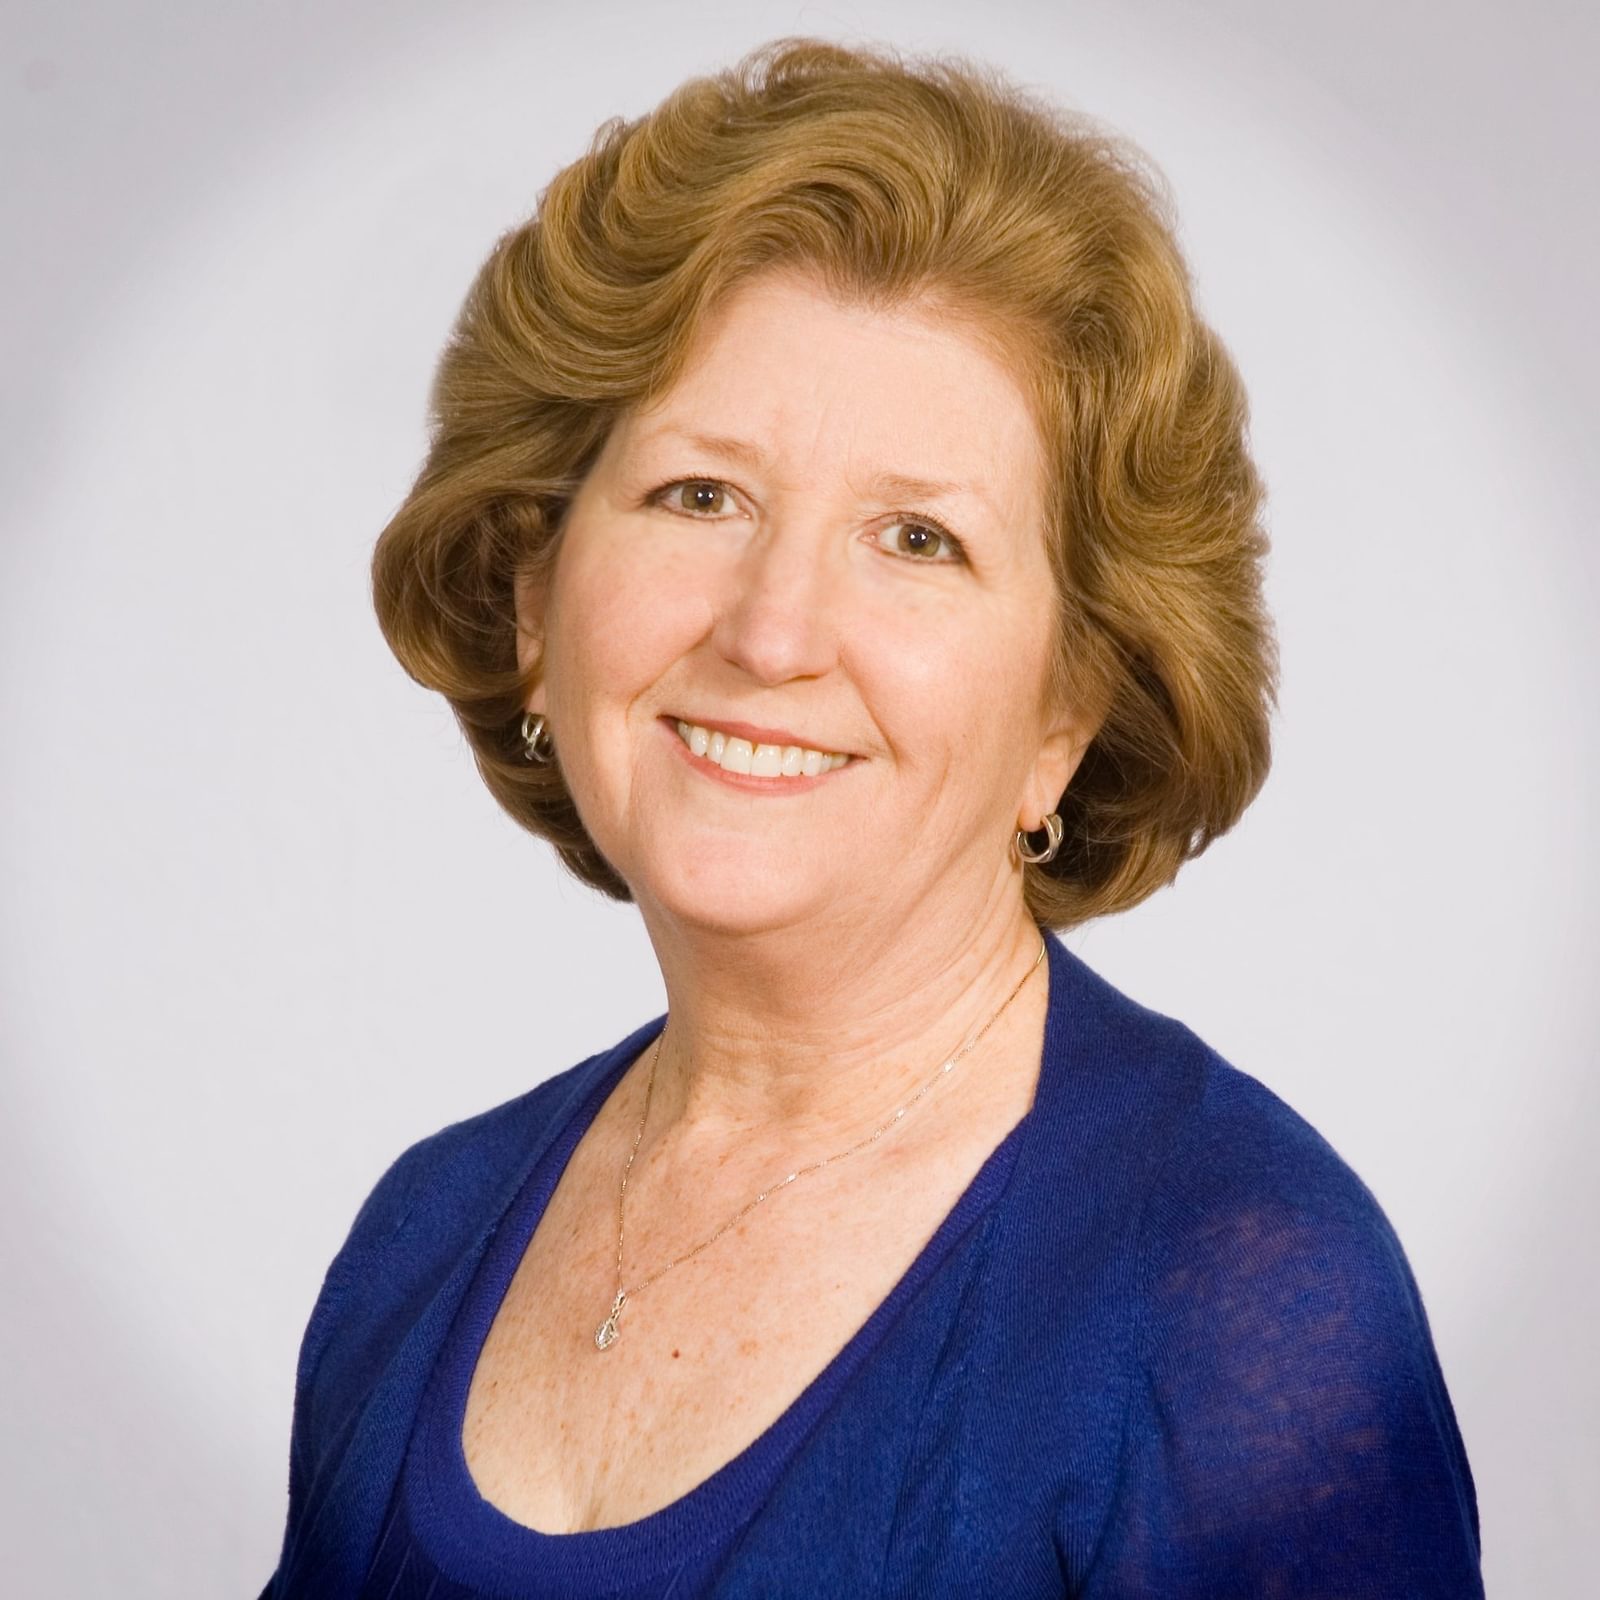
x=778 y=616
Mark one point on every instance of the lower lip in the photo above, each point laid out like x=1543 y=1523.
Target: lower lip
x=745 y=780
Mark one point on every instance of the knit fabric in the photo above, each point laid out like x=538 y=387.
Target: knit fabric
x=1166 y=1343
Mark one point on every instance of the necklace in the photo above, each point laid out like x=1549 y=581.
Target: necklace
x=606 y=1334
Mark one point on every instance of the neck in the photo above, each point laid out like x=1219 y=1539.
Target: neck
x=787 y=1039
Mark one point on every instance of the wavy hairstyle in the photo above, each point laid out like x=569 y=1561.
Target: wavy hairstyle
x=895 y=179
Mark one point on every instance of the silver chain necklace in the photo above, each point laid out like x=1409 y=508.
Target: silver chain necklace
x=606 y=1334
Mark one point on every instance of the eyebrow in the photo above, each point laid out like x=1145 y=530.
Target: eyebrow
x=753 y=456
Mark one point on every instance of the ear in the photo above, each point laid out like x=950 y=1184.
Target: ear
x=530 y=593
x=1062 y=748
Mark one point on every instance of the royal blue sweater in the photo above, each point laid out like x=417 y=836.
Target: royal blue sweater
x=1166 y=1345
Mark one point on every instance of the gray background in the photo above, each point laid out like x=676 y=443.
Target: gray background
x=261 y=926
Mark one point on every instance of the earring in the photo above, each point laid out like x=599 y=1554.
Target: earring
x=1053 y=829
x=537 y=744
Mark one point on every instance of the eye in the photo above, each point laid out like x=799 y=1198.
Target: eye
x=691 y=497
x=921 y=539
x=913 y=539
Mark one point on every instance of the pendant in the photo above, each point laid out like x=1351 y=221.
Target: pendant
x=606 y=1334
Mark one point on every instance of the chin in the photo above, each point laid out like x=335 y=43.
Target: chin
x=745 y=891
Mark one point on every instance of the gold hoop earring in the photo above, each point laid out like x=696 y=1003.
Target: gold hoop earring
x=1053 y=831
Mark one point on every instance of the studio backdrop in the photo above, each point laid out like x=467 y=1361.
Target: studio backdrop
x=262 y=925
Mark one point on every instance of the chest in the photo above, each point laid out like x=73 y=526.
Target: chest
x=564 y=1437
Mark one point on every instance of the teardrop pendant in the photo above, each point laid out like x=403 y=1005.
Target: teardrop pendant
x=606 y=1334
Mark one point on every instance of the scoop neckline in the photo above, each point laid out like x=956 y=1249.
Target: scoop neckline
x=477 y=1543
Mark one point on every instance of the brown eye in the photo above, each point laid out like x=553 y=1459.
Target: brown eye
x=920 y=541
x=699 y=494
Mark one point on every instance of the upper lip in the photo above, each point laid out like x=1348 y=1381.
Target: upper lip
x=757 y=735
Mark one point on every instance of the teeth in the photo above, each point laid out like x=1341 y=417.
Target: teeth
x=759 y=760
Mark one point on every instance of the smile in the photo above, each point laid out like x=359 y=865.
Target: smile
x=741 y=756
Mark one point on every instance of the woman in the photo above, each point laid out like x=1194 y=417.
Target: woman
x=838 y=537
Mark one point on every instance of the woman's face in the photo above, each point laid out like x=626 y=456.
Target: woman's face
x=828 y=537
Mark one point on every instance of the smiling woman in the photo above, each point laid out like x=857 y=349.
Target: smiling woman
x=831 y=490
x=771 y=579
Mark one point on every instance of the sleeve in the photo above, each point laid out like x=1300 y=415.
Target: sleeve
x=379 y=1218
x=1289 y=1433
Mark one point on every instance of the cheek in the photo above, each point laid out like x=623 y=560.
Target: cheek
x=943 y=680
x=620 y=619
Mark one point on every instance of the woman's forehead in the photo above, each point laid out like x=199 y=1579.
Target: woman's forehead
x=786 y=374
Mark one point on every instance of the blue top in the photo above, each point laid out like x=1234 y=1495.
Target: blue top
x=1165 y=1343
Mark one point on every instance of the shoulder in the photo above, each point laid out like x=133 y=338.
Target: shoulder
x=1287 y=1411
x=1207 y=1195
x=434 y=1202
x=1208 y=1144
x=1259 y=1243
x=452 y=1173
x=1238 y=1151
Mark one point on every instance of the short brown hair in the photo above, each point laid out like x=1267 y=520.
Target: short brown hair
x=894 y=178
